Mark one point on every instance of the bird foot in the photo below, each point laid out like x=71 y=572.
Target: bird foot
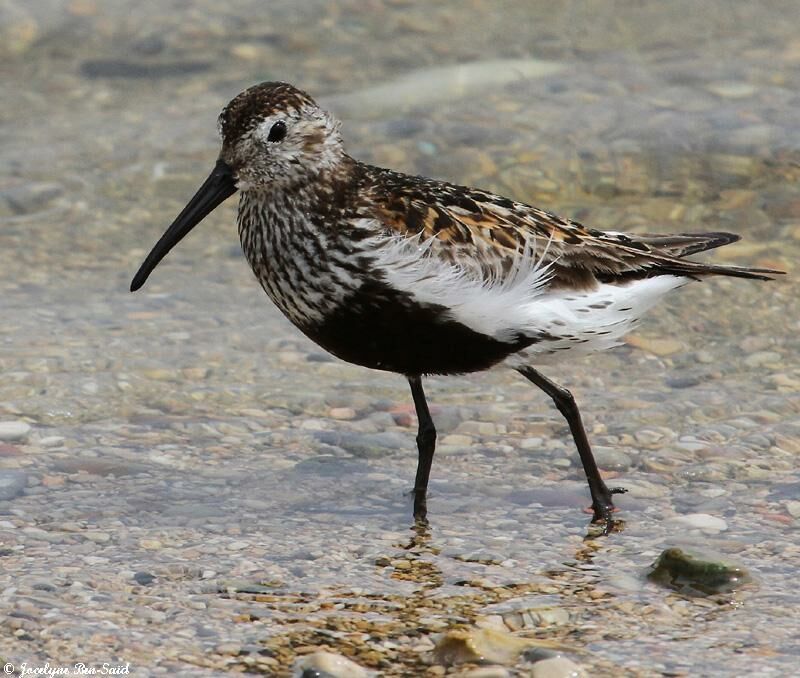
x=602 y=509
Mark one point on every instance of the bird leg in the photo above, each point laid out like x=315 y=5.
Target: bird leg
x=426 y=444
x=602 y=505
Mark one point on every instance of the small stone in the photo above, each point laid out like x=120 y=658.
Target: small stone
x=762 y=358
x=150 y=544
x=322 y=664
x=14 y=430
x=556 y=667
x=343 y=413
x=365 y=445
x=483 y=646
x=18 y=29
x=793 y=507
x=731 y=90
x=487 y=672
x=703 y=521
x=95 y=560
x=228 y=649
x=491 y=621
x=457 y=439
x=12 y=484
x=97 y=537
x=51 y=441
x=697 y=573
x=659 y=347
x=611 y=459
x=247 y=52
x=144 y=578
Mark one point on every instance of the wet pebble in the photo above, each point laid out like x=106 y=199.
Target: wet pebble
x=12 y=484
x=793 y=508
x=695 y=572
x=487 y=672
x=343 y=413
x=612 y=459
x=762 y=358
x=18 y=29
x=121 y=68
x=732 y=90
x=144 y=578
x=14 y=430
x=32 y=197
x=367 y=444
x=482 y=645
x=328 y=665
x=556 y=667
x=704 y=522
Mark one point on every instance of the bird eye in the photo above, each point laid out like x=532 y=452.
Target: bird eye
x=277 y=132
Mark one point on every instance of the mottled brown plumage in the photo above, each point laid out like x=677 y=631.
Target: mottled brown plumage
x=417 y=276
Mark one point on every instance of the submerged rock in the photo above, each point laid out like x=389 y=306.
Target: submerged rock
x=428 y=86
x=484 y=646
x=557 y=667
x=697 y=573
x=12 y=484
x=328 y=665
x=14 y=430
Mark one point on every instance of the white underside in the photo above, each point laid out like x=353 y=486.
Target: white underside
x=521 y=301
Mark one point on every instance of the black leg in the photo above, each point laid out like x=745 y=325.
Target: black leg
x=426 y=444
x=601 y=495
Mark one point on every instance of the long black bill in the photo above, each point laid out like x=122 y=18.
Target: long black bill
x=219 y=186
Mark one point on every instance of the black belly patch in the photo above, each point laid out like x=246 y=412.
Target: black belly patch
x=383 y=329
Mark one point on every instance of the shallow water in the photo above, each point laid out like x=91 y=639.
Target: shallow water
x=190 y=433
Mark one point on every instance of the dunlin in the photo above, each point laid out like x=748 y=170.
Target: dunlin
x=417 y=276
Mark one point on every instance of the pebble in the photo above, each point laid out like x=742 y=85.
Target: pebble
x=430 y=86
x=483 y=645
x=654 y=345
x=14 y=430
x=611 y=459
x=703 y=521
x=697 y=573
x=761 y=358
x=18 y=29
x=144 y=578
x=365 y=445
x=457 y=440
x=793 y=507
x=732 y=90
x=150 y=544
x=556 y=667
x=343 y=413
x=322 y=664
x=12 y=484
x=531 y=443
x=228 y=649
x=487 y=672
x=97 y=537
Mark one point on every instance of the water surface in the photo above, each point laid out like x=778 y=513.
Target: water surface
x=190 y=433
